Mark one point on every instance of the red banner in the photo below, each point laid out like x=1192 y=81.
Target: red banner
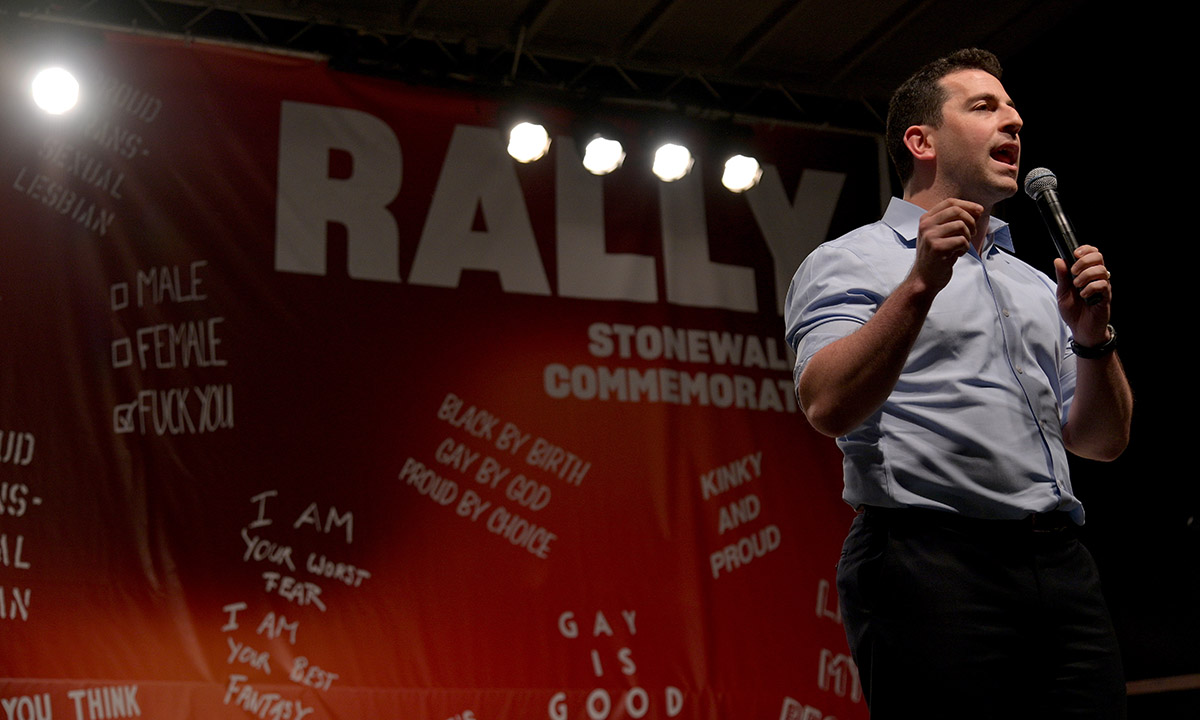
x=317 y=405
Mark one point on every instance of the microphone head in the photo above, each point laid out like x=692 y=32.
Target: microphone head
x=1038 y=181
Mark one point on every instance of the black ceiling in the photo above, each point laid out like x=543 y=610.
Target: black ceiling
x=826 y=62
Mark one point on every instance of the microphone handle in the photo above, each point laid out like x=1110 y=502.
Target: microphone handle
x=1061 y=232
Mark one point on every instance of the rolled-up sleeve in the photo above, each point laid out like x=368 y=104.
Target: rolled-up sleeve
x=834 y=293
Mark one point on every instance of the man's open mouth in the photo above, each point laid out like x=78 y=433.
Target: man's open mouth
x=1007 y=154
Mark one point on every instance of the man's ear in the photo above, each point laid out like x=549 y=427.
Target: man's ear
x=919 y=141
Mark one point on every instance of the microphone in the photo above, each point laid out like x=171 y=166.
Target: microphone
x=1042 y=186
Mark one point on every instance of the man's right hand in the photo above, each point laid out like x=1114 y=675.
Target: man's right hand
x=944 y=235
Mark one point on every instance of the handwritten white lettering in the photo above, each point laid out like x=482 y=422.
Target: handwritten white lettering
x=262 y=704
x=289 y=588
x=741 y=553
x=111 y=701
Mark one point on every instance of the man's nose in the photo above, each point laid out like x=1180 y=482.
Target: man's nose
x=1012 y=123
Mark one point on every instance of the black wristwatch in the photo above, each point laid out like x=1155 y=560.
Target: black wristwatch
x=1096 y=351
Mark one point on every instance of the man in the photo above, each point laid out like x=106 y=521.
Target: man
x=955 y=378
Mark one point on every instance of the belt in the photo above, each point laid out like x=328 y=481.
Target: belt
x=1047 y=522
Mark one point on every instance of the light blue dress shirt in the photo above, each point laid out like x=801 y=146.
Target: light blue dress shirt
x=974 y=424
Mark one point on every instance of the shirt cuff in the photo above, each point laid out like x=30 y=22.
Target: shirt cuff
x=817 y=338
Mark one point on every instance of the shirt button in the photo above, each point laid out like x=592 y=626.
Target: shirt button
x=1005 y=311
x=1020 y=370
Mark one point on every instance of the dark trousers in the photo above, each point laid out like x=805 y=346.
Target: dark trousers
x=950 y=617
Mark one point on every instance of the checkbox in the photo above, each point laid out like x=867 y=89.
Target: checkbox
x=122 y=353
x=119 y=296
x=123 y=418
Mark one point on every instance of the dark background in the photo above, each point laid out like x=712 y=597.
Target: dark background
x=1098 y=97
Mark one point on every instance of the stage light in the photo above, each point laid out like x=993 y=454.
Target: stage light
x=672 y=162
x=602 y=156
x=741 y=173
x=528 y=142
x=55 y=90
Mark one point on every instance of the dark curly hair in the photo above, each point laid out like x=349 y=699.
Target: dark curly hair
x=919 y=100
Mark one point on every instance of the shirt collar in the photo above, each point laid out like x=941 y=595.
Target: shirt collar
x=903 y=217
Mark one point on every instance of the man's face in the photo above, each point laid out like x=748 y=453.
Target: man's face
x=976 y=146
